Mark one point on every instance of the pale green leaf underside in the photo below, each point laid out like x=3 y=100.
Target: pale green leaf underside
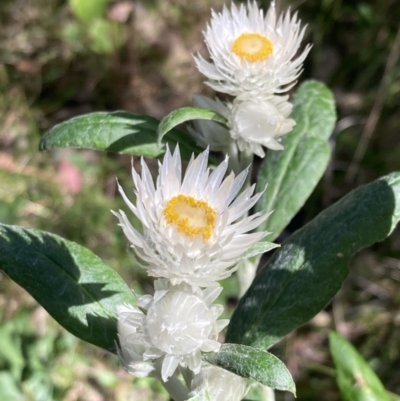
x=259 y=248
x=118 y=131
x=356 y=380
x=290 y=175
x=254 y=364
x=77 y=289
x=307 y=271
x=184 y=114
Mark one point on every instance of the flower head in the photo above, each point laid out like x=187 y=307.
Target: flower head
x=191 y=227
x=256 y=123
x=252 y=54
x=175 y=326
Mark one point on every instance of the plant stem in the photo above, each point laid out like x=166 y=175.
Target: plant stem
x=176 y=389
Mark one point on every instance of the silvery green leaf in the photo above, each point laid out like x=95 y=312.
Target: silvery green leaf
x=77 y=289
x=184 y=114
x=307 y=271
x=118 y=131
x=293 y=173
x=253 y=363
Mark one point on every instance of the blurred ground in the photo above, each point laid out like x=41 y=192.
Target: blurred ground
x=57 y=62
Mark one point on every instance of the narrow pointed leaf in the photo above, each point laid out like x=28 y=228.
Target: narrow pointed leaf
x=309 y=268
x=69 y=281
x=260 y=247
x=118 y=131
x=254 y=364
x=293 y=173
x=356 y=380
x=184 y=114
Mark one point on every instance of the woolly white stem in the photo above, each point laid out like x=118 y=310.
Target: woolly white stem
x=176 y=389
x=246 y=273
x=248 y=268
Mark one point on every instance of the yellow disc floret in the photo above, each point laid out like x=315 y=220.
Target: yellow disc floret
x=252 y=46
x=192 y=216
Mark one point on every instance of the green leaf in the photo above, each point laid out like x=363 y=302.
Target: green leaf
x=118 y=131
x=79 y=290
x=88 y=10
x=260 y=247
x=184 y=114
x=303 y=275
x=105 y=36
x=293 y=173
x=253 y=363
x=356 y=380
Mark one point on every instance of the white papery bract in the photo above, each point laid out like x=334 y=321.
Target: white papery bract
x=219 y=384
x=192 y=231
x=252 y=54
x=255 y=123
x=174 y=326
x=208 y=133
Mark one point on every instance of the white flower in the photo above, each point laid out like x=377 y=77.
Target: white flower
x=219 y=384
x=177 y=324
x=253 y=122
x=256 y=122
x=208 y=133
x=252 y=54
x=192 y=231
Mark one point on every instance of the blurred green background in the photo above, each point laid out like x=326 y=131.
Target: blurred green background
x=59 y=59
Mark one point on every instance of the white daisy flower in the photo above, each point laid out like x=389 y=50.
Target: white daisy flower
x=173 y=327
x=252 y=54
x=258 y=122
x=219 y=384
x=192 y=228
x=208 y=133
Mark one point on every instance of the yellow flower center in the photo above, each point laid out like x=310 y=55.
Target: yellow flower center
x=191 y=216
x=252 y=46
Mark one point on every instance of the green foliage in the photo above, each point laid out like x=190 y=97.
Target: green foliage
x=88 y=10
x=105 y=36
x=184 y=114
x=118 y=131
x=26 y=358
x=291 y=175
x=99 y=34
x=254 y=364
x=303 y=276
x=356 y=380
x=70 y=282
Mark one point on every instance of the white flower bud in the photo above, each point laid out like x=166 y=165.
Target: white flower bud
x=257 y=122
x=180 y=323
